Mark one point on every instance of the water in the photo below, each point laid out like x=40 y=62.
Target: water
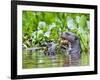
x=37 y=59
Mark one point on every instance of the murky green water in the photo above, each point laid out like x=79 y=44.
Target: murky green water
x=38 y=60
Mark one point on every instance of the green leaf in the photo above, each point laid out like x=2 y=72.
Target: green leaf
x=82 y=22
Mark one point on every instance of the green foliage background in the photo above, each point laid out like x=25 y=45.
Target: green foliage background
x=47 y=26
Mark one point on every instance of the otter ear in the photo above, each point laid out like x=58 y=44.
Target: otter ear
x=76 y=37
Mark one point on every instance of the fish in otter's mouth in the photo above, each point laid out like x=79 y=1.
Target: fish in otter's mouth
x=71 y=43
